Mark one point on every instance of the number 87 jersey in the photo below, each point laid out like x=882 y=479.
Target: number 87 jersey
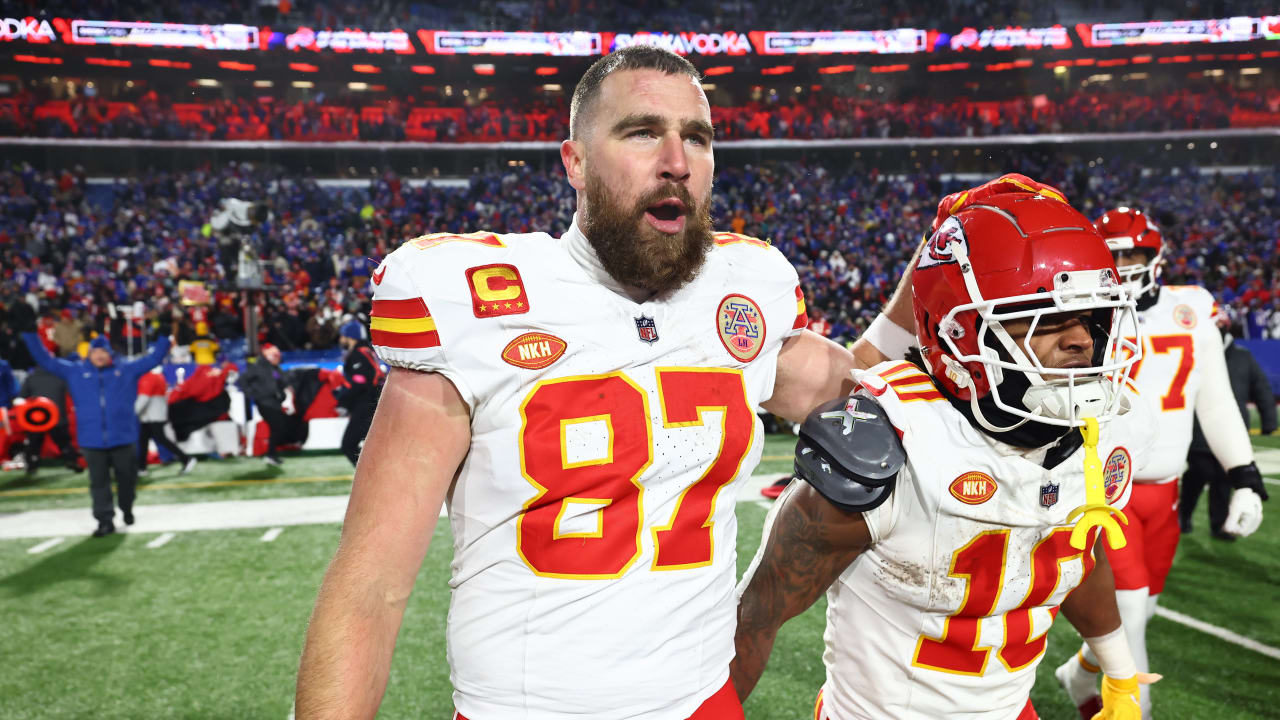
x=593 y=518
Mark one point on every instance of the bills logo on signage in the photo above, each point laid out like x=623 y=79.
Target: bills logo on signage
x=29 y=29
x=728 y=43
x=939 y=250
x=1116 y=473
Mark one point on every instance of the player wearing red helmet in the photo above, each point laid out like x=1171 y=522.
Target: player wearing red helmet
x=1183 y=375
x=936 y=504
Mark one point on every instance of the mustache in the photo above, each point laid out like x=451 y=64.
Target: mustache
x=664 y=192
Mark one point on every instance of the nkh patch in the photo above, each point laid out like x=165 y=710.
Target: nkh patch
x=1116 y=473
x=647 y=329
x=741 y=327
x=973 y=488
x=533 y=350
x=1048 y=495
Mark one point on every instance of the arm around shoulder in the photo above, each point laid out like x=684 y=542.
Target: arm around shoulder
x=400 y=485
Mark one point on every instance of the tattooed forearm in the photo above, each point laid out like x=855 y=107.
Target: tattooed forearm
x=807 y=547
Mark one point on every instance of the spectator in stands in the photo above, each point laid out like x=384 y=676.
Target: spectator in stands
x=103 y=392
x=267 y=386
x=364 y=376
x=1248 y=385
x=152 y=407
x=204 y=349
x=41 y=383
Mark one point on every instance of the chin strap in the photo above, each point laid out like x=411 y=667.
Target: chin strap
x=1095 y=512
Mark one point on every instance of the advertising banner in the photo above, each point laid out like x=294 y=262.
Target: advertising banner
x=304 y=38
x=204 y=37
x=904 y=40
x=1160 y=32
x=1007 y=38
x=459 y=42
x=686 y=43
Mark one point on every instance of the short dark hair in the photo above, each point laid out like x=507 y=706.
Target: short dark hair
x=636 y=57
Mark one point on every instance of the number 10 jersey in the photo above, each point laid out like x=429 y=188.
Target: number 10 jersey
x=593 y=518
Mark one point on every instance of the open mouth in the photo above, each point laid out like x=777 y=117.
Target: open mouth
x=668 y=210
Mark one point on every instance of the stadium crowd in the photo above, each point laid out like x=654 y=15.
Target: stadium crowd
x=818 y=115
x=78 y=257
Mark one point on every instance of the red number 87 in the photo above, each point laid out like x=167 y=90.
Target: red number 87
x=612 y=482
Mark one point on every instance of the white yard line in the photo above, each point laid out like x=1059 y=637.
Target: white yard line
x=1218 y=632
x=161 y=540
x=271 y=535
x=51 y=542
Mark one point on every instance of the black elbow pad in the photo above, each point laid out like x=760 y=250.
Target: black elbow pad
x=850 y=452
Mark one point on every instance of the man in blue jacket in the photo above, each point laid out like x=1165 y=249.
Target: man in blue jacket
x=103 y=392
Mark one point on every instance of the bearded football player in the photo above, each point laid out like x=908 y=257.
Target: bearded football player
x=586 y=407
x=1183 y=376
x=955 y=503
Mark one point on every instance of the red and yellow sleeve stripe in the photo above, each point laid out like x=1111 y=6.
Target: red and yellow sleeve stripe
x=802 y=313
x=404 y=324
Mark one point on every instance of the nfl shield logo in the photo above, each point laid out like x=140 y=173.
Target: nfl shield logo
x=647 y=329
x=1048 y=495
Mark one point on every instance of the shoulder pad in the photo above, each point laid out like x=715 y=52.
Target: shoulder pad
x=850 y=452
x=729 y=238
x=426 y=242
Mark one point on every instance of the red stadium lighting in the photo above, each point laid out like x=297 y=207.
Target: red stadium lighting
x=1175 y=59
x=177 y=64
x=1204 y=58
x=1024 y=62
x=233 y=65
x=1113 y=62
x=835 y=69
x=901 y=67
x=107 y=62
x=1058 y=64
x=718 y=70
x=1271 y=54
x=1247 y=56
x=303 y=67
x=424 y=69
x=546 y=70
x=366 y=68
x=947 y=67
x=1141 y=59
x=778 y=70
x=38 y=59
x=1085 y=61
x=483 y=69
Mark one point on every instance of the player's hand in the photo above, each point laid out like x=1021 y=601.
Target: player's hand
x=1009 y=183
x=1120 y=697
x=1244 y=513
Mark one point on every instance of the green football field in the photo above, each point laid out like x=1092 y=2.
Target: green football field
x=209 y=624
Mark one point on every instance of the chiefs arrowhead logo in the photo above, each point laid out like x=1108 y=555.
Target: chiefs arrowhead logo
x=377 y=274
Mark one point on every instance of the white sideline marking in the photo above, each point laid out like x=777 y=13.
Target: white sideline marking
x=1268 y=460
x=272 y=534
x=1218 y=632
x=161 y=541
x=37 y=549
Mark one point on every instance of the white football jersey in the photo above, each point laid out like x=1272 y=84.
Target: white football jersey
x=593 y=518
x=945 y=614
x=1179 y=339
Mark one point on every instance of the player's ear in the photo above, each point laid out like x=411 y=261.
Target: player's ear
x=574 y=159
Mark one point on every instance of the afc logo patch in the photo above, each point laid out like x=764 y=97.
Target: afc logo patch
x=741 y=327
x=1185 y=316
x=1116 y=473
x=496 y=290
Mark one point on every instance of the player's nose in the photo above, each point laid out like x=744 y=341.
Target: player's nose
x=1076 y=337
x=673 y=161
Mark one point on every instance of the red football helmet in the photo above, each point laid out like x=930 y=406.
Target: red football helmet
x=1127 y=229
x=1017 y=256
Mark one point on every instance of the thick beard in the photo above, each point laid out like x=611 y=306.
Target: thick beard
x=635 y=253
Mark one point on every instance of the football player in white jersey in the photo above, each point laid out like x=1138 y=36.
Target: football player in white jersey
x=1182 y=371
x=937 y=504
x=586 y=406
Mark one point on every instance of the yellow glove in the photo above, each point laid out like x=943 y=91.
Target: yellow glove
x=1120 y=697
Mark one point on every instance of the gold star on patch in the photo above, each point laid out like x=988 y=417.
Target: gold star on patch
x=482 y=308
x=508 y=306
x=519 y=304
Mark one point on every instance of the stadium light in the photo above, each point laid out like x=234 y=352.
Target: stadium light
x=366 y=68
x=899 y=67
x=38 y=59
x=1113 y=62
x=835 y=69
x=424 y=69
x=778 y=70
x=1251 y=71
x=1059 y=69
x=303 y=67
x=483 y=68
x=546 y=70
x=552 y=87
x=303 y=84
x=947 y=67
x=1141 y=59
x=1214 y=72
x=176 y=64
x=107 y=62
x=207 y=82
x=238 y=66
x=718 y=70
x=358 y=86
x=263 y=83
